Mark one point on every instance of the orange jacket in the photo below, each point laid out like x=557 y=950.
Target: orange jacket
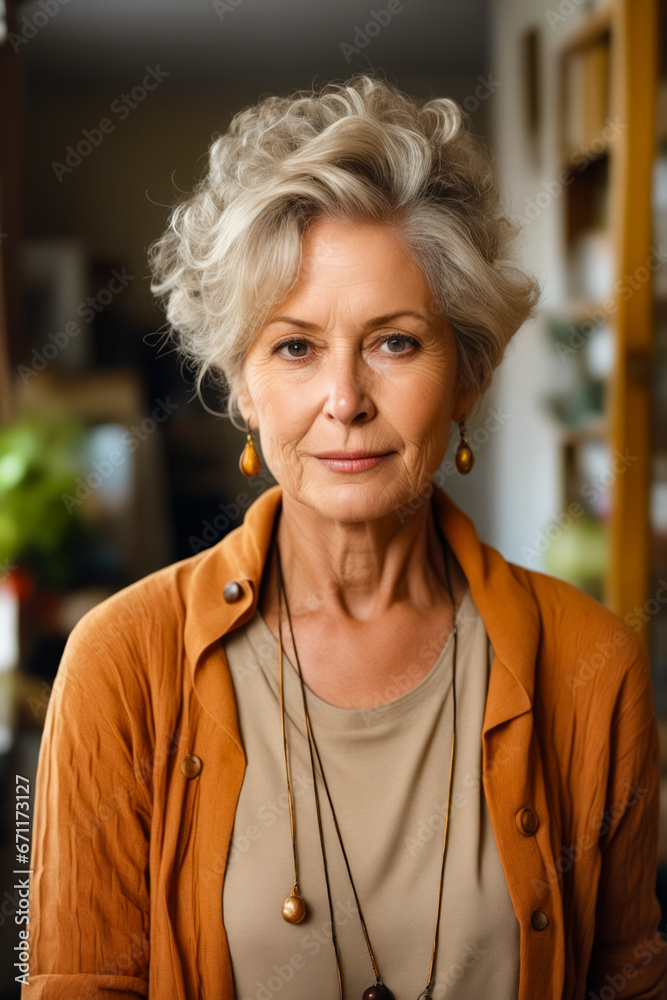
x=128 y=851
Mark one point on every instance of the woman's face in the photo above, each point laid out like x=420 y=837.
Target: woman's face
x=357 y=358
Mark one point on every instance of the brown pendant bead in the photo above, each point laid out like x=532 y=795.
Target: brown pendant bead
x=249 y=463
x=294 y=909
x=464 y=458
x=378 y=992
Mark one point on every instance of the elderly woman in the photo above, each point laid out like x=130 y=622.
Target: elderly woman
x=349 y=750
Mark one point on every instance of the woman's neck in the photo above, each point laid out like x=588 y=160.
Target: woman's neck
x=360 y=570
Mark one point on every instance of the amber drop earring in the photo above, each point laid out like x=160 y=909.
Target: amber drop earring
x=464 y=456
x=249 y=462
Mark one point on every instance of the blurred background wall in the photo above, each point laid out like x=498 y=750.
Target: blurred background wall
x=111 y=468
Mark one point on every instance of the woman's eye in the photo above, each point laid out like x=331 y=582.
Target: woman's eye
x=294 y=348
x=397 y=342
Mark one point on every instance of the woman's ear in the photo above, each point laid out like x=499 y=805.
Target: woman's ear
x=244 y=403
x=464 y=403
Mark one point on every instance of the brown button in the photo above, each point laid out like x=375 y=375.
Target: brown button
x=527 y=821
x=232 y=591
x=539 y=920
x=191 y=765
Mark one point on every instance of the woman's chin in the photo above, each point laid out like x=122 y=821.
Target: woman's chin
x=355 y=501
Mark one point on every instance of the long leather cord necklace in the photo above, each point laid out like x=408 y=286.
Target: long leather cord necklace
x=294 y=907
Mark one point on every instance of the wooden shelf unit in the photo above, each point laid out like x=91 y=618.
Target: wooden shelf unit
x=607 y=72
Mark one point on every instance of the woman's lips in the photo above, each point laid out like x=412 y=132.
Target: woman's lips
x=351 y=464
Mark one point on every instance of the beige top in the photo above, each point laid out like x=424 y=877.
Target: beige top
x=387 y=769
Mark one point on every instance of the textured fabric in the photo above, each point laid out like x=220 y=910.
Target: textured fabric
x=387 y=769
x=129 y=854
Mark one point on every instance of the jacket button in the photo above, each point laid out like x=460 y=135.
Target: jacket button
x=232 y=591
x=539 y=920
x=191 y=765
x=527 y=821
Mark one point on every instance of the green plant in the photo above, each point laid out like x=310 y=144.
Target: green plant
x=37 y=465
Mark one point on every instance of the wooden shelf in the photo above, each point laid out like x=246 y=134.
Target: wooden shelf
x=608 y=75
x=579 y=311
x=598 y=23
x=585 y=70
x=593 y=430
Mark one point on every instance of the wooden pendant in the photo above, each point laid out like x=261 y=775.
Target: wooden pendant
x=294 y=909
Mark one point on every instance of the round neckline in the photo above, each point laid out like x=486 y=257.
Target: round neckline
x=337 y=716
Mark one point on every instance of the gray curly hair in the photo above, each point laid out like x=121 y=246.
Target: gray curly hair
x=359 y=150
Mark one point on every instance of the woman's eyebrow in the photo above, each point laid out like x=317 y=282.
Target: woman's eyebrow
x=377 y=321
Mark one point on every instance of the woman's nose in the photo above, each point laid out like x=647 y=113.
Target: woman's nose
x=347 y=397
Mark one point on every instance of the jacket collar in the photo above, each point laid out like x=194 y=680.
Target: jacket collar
x=506 y=604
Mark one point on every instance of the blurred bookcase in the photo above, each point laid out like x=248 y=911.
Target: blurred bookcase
x=607 y=330
x=610 y=329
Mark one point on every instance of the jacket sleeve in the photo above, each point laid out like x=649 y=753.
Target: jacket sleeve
x=629 y=957
x=89 y=892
